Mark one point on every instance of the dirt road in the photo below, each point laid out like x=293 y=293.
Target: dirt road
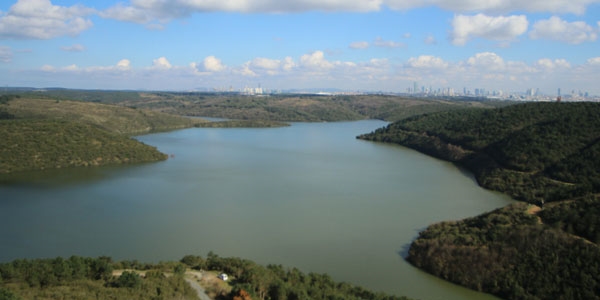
x=193 y=277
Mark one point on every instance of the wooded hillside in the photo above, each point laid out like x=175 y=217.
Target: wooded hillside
x=275 y=107
x=93 y=278
x=533 y=151
x=514 y=254
x=40 y=134
x=543 y=153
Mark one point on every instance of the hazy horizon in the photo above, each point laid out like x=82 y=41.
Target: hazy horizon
x=379 y=45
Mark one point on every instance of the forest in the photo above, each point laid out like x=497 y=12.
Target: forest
x=274 y=107
x=62 y=128
x=545 y=154
x=94 y=278
x=515 y=254
x=42 y=134
x=533 y=152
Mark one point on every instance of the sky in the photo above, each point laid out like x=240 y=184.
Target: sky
x=351 y=45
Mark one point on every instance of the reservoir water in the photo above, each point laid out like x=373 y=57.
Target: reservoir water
x=309 y=196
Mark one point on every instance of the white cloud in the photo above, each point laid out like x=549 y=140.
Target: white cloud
x=5 y=54
x=482 y=70
x=213 y=64
x=162 y=11
x=161 y=63
x=594 y=61
x=73 y=48
x=427 y=62
x=430 y=40
x=497 y=6
x=487 y=61
x=120 y=67
x=379 y=42
x=359 y=45
x=546 y=63
x=559 y=30
x=288 y=64
x=245 y=71
x=266 y=66
x=146 y=11
x=48 y=68
x=133 y=14
x=265 y=63
x=487 y=27
x=71 y=68
x=315 y=60
x=124 y=64
x=39 y=19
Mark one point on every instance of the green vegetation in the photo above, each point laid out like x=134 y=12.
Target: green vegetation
x=542 y=153
x=282 y=107
x=510 y=253
x=276 y=282
x=116 y=119
x=40 y=144
x=87 y=278
x=101 y=278
x=60 y=128
x=41 y=134
x=533 y=152
x=295 y=108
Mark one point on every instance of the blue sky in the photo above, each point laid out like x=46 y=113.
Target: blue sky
x=354 y=45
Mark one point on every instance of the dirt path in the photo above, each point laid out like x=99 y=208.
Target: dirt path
x=192 y=278
x=533 y=209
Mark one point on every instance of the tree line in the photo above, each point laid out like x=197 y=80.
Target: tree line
x=546 y=154
x=92 y=278
x=532 y=151
x=277 y=282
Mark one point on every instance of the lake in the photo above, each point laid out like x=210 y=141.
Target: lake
x=309 y=196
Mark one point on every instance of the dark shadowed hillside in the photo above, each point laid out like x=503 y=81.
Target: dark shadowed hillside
x=543 y=153
x=533 y=152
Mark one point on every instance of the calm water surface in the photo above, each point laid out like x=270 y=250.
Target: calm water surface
x=309 y=196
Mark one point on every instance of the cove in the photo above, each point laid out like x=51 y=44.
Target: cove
x=309 y=196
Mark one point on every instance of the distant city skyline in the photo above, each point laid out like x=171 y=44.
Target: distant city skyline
x=350 y=45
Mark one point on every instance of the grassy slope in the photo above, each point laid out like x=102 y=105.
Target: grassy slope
x=48 y=134
x=537 y=152
x=284 y=107
x=302 y=108
x=45 y=144
x=116 y=119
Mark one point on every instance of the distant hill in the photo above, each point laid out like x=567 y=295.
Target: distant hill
x=543 y=153
x=296 y=107
x=29 y=145
x=116 y=119
x=39 y=134
x=280 y=107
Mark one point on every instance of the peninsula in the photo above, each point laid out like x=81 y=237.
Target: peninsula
x=545 y=154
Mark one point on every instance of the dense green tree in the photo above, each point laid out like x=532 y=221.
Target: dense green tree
x=6 y=294
x=128 y=280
